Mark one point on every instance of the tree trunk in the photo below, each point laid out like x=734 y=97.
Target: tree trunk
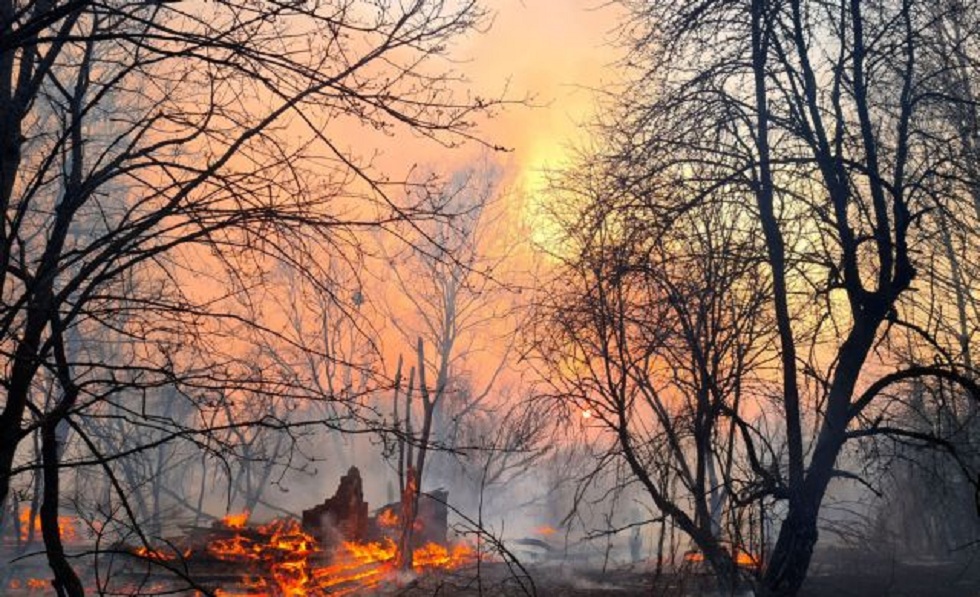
x=791 y=555
x=66 y=582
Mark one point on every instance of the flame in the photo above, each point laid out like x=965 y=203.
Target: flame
x=433 y=555
x=67 y=526
x=742 y=558
x=284 y=561
x=158 y=555
x=388 y=519
x=545 y=530
x=235 y=521
x=32 y=584
x=371 y=552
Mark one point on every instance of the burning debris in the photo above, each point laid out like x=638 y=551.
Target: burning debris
x=336 y=548
x=346 y=512
x=344 y=516
x=30 y=524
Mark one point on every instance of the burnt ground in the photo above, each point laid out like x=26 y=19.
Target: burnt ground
x=841 y=573
x=850 y=573
x=838 y=574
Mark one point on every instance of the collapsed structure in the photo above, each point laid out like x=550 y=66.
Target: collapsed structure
x=344 y=516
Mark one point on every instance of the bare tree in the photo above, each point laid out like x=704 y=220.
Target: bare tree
x=657 y=339
x=457 y=304
x=157 y=160
x=815 y=123
x=458 y=300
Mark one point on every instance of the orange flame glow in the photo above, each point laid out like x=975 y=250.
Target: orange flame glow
x=282 y=551
x=158 y=555
x=235 y=521
x=67 y=527
x=31 y=585
x=742 y=558
x=388 y=519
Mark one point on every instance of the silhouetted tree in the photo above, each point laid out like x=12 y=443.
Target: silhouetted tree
x=812 y=126
x=157 y=161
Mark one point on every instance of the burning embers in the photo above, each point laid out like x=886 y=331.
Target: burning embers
x=742 y=558
x=67 y=526
x=280 y=558
x=338 y=549
x=344 y=517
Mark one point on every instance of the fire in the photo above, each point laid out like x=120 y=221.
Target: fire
x=31 y=585
x=67 y=526
x=742 y=558
x=158 y=555
x=545 y=530
x=433 y=555
x=388 y=519
x=235 y=521
x=282 y=546
x=371 y=552
x=285 y=561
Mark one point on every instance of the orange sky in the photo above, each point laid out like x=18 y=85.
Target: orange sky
x=554 y=51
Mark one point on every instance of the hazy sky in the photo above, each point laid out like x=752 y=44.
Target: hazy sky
x=554 y=50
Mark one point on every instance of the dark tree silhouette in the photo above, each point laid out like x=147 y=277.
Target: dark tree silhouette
x=157 y=161
x=817 y=130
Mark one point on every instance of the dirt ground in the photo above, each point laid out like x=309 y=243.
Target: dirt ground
x=835 y=574
x=838 y=576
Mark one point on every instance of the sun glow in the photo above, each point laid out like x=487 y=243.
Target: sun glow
x=544 y=229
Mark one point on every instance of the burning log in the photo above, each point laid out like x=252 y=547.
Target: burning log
x=279 y=558
x=346 y=512
x=337 y=549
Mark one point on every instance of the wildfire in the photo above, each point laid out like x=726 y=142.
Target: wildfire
x=158 y=555
x=388 y=519
x=235 y=521
x=289 y=561
x=67 y=527
x=545 y=530
x=433 y=555
x=31 y=585
x=742 y=558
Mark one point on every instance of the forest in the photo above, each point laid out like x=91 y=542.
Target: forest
x=489 y=297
